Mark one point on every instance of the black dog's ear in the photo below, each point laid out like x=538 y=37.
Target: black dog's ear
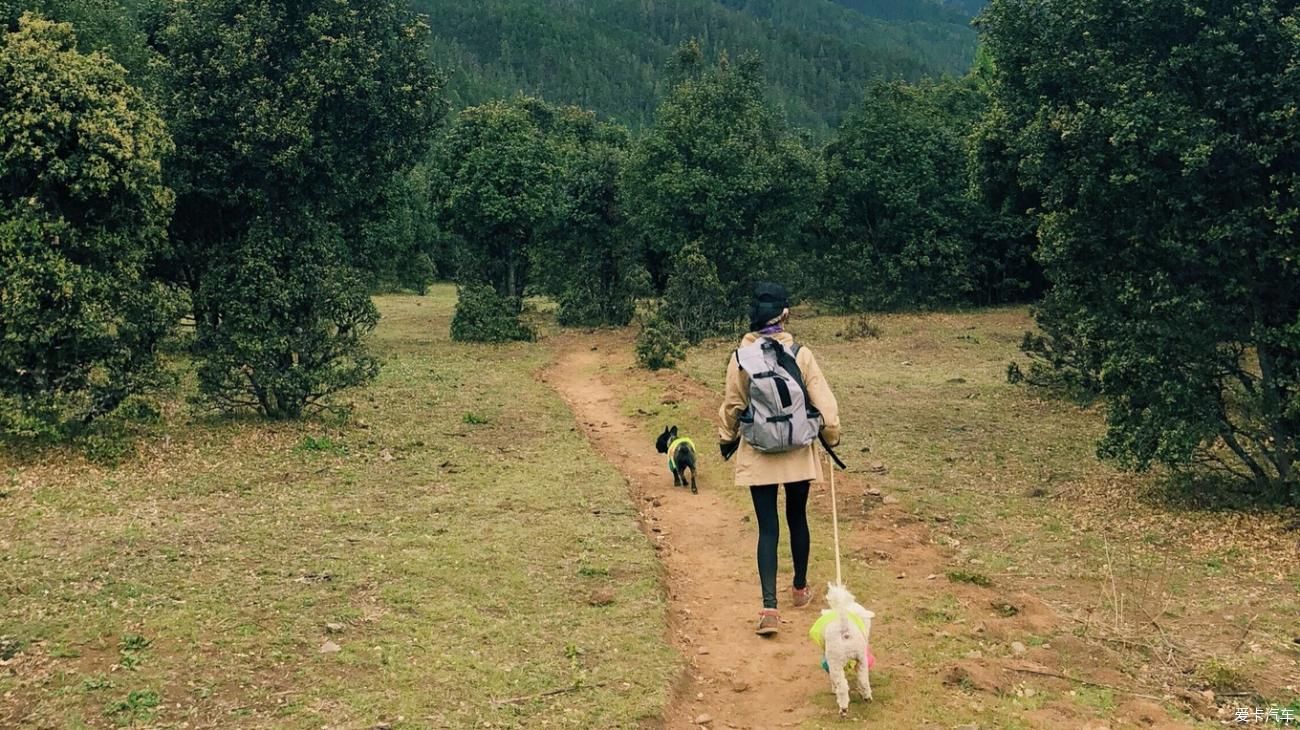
x=673 y=431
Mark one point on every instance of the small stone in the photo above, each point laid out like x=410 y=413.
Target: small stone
x=931 y=576
x=878 y=467
x=699 y=695
x=704 y=719
x=907 y=363
x=334 y=628
x=739 y=685
x=703 y=650
x=874 y=491
x=330 y=647
x=1018 y=648
x=889 y=499
x=669 y=399
x=1029 y=692
x=386 y=455
x=901 y=576
x=601 y=597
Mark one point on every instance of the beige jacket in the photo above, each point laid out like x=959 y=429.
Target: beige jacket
x=755 y=468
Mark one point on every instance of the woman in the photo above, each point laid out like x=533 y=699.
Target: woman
x=764 y=471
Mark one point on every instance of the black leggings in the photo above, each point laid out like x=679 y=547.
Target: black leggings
x=769 y=533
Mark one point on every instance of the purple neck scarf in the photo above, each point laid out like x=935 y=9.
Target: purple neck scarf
x=771 y=330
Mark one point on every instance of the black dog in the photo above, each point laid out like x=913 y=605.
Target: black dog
x=680 y=459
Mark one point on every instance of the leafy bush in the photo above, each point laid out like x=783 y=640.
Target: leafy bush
x=695 y=302
x=293 y=323
x=82 y=216
x=659 y=345
x=483 y=315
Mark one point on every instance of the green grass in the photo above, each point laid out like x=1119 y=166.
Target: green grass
x=966 y=576
x=457 y=555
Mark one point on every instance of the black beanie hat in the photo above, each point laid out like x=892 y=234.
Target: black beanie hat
x=769 y=301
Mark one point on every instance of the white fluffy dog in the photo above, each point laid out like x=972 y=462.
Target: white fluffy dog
x=844 y=634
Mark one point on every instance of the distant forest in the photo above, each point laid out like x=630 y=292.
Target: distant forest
x=611 y=56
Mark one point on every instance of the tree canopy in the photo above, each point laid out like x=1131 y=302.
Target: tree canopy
x=1160 y=140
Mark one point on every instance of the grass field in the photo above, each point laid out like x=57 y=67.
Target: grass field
x=1149 y=597
x=456 y=555
x=446 y=548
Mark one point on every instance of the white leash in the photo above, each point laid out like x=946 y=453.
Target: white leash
x=835 y=525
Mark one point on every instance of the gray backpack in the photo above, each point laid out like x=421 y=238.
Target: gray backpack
x=779 y=417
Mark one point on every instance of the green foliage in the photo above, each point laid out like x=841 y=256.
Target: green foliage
x=483 y=315
x=529 y=191
x=320 y=444
x=496 y=189
x=966 y=576
x=293 y=321
x=1160 y=140
x=295 y=124
x=586 y=260
x=895 y=203
x=138 y=706
x=660 y=344
x=82 y=216
x=695 y=302
x=720 y=168
x=110 y=26
x=611 y=56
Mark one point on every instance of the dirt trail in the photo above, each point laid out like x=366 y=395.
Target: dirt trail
x=707 y=545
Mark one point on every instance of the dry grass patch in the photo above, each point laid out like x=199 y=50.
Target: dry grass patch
x=409 y=566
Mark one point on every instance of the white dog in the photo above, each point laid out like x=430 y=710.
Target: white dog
x=844 y=634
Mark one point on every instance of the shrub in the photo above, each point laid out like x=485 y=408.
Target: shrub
x=660 y=344
x=293 y=324
x=483 y=315
x=695 y=302
x=860 y=327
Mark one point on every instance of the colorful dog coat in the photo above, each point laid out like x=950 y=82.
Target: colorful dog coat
x=818 y=634
x=672 y=450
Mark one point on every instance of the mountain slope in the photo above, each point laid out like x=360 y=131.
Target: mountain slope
x=609 y=56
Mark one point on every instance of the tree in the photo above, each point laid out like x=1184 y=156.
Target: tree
x=896 y=212
x=1160 y=137
x=291 y=120
x=720 y=168
x=83 y=211
x=495 y=191
x=584 y=258
x=530 y=192
x=695 y=301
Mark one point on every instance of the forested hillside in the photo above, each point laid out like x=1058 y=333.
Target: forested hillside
x=610 y=56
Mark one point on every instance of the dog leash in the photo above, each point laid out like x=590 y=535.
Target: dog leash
x=835 y=527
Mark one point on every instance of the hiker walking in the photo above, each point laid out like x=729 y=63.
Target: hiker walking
x=777 y=406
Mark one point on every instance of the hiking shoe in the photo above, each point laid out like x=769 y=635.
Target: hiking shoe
x=801 y=596
x=769 y=622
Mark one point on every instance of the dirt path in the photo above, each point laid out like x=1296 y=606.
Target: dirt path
x=707 y=546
